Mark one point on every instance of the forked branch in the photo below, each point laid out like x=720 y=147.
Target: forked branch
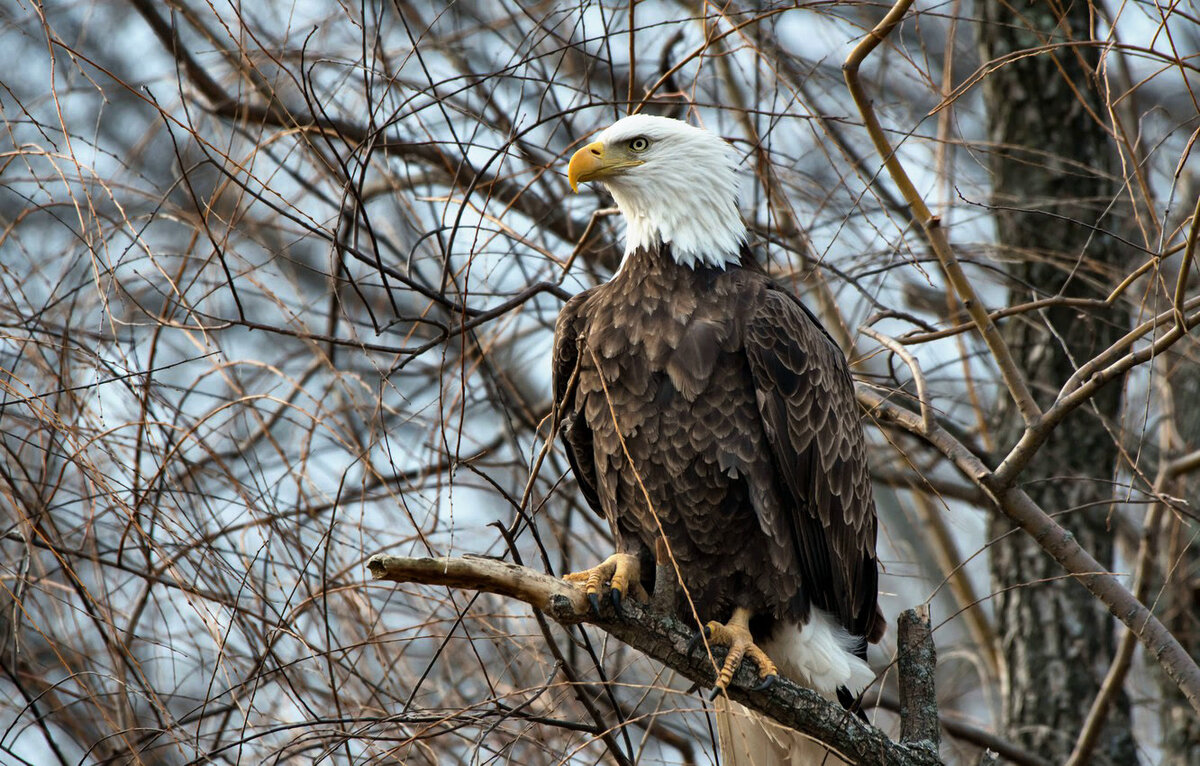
x=929 y=224
x=1054 y=540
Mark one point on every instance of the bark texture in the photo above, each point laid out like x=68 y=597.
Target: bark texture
x=1179 y=561
x=1053 y=186
x=1181 y=727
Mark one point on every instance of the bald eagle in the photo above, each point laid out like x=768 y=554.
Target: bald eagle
x=706 y=412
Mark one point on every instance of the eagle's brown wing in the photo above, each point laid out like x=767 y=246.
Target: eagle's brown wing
x=576 y=435
x=806 y=398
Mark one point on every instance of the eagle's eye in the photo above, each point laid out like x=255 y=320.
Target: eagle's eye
x=639 y=144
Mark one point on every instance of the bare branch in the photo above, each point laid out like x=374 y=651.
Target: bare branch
x=917 y=660
x=928 y=223
x=1057 y=542
x=918 y=377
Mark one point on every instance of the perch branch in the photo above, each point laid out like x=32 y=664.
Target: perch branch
x=665 y=639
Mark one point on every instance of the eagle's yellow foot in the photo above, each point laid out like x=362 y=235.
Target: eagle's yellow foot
x=622 y=571
x=735 y=634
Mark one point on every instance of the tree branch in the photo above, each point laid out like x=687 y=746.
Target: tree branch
x=665 y=639
x=917 y=659
x=930 y=224
x=1056 y=541
x=457 y=170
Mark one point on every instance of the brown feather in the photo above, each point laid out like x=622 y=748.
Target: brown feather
x=721 y=395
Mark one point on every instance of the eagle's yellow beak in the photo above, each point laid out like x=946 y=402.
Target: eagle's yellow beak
x=593 y=162
x=586 y=165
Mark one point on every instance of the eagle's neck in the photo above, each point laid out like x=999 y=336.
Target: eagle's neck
x=649 y=274
x=697 y=216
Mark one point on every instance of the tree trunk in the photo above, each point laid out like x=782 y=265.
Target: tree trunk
x=1181 y=727
x=1052 y=164
x=1179 y=562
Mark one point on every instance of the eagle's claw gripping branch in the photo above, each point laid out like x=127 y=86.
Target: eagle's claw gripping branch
x=621 y=571
x=735 y=635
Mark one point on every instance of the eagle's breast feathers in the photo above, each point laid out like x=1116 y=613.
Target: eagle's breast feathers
x=709 y=405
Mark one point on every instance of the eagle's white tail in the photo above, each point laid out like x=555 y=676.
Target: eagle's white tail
x=749 y=739
x=819 y=655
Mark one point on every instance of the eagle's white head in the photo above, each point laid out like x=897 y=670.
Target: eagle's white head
x=675 y=184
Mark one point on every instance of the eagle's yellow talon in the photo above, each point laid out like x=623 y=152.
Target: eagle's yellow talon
x=736 y=635
x=621 y=571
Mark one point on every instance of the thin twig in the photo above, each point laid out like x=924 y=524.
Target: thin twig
x=918 y=377
x=1185 y=269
